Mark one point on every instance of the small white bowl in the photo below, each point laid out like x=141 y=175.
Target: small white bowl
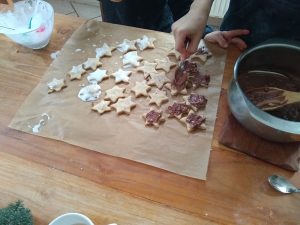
x=25 y=12
x=72 y=219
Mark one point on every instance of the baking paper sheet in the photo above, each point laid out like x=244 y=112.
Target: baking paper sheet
x=169 y=147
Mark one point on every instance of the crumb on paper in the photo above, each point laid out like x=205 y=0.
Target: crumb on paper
x=54 y=55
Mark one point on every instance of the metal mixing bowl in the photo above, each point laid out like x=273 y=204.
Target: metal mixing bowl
x=271 y=57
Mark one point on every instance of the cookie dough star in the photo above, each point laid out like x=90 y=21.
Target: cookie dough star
x=132 y=58
x=56 y=85
x=147 y=68
x=76 y=72
x=164 y=64
x=126 y=46
x=114 y=93
x=121 y=75
x=124 y=105
x=141 y=89
x=174 y=53
x=158 y=97
x=174 y=91
x=102 y=107
x=145 y=42
x=91 y=63
x=158 y=79
x=105 y=50
x=153 y=118
x=97 y=76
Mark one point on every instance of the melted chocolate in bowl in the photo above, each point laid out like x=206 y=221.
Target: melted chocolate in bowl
x=278 y=79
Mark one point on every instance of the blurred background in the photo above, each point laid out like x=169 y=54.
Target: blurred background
x=90 y=9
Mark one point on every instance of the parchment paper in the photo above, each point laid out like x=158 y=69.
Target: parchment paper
x=71 y=120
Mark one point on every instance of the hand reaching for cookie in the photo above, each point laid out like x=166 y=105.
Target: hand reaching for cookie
x=225 y=38
x=187 y=36
x=188 y=29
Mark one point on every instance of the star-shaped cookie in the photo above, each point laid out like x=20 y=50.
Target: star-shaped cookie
x=56 y=85
x=76 y=72
x=147 y=68
x=174 y=91
x=165 y=64
x=114 y=93
x=102 y=107
x=174 y=53
x=124 y=105
x=121 y=75
x=132 y=58
x=194 y=122
x=196 y=101
x=158 y=79
x=90 y=93
x=178 y=110
x=141 y=89
x=91 y=63
x=126 y=46
x=97 y=76
x=158 y=97
x=145 y=42
x=153 y=118
x=105 y=50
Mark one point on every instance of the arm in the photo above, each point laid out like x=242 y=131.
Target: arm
x=188 y=30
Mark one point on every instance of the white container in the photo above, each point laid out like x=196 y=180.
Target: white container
x=29 y=24
x=72 y=219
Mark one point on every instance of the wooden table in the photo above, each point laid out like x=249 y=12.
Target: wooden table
x=53 y=177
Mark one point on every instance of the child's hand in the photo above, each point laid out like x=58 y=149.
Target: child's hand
x=224 y=38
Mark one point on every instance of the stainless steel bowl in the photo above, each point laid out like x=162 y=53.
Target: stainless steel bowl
x=271 y=57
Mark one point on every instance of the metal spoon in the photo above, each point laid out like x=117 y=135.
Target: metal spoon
x=282 y=185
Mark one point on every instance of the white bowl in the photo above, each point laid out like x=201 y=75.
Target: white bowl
x=72 y=219
x=30 y=23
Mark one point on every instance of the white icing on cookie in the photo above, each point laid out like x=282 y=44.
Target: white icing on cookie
x=90 y=93
x=97 y=76
x=132 y=58
x=105 y=50
x=145 y=42
x=76 y=72
x=91 y=63
x=121 y=75
x=126 y=46
x=56 y=85
x=42 y=122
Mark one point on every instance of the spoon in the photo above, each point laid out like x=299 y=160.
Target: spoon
x=271 y=98
x=282 y=185
x=34 y=18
